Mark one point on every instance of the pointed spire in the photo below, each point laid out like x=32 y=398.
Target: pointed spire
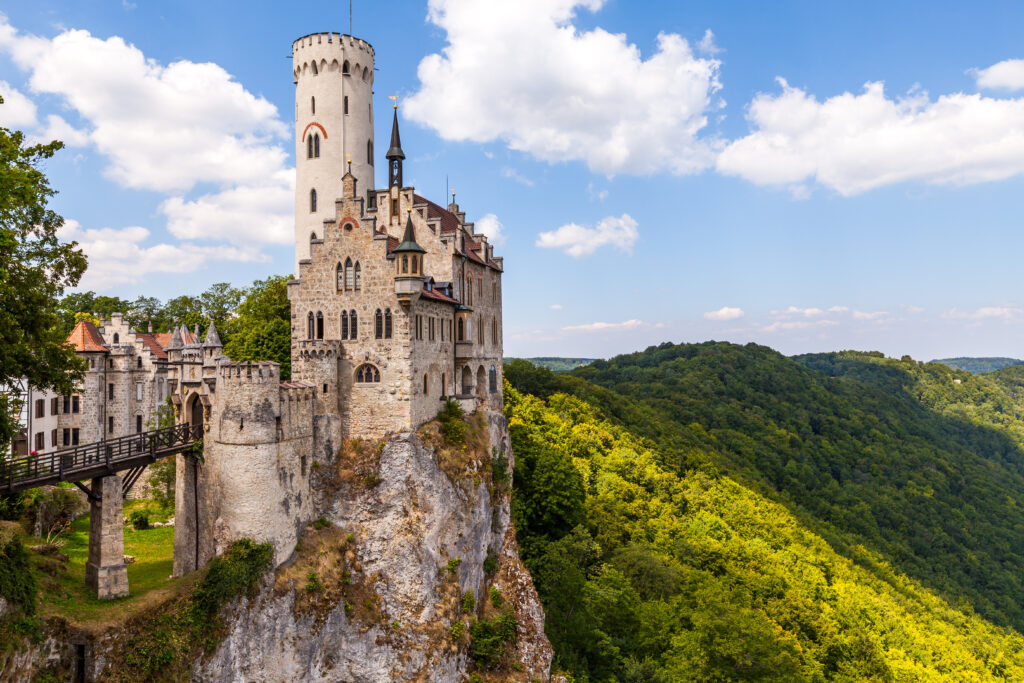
x=212 y=338
x=195 y=334
x=175 y=340
x=409 y=239
x=396 y=141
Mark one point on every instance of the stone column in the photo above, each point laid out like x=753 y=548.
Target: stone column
x=185 y=527
x=105 y=572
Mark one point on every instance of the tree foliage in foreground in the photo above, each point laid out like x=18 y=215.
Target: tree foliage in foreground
x=649 y=574
x=35 y=268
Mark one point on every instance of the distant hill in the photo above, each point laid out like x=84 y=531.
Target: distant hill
x=557 y=364
x=979 y=366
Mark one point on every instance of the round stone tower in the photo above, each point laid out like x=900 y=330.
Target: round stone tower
x=333 y=76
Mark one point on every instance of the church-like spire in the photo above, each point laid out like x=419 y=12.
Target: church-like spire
x=409 y=243
x=212 y=338
x=395 y=155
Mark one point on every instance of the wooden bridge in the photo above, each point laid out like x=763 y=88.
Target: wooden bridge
x=100 y=459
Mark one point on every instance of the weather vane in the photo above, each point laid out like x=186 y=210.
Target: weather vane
x=395 y=98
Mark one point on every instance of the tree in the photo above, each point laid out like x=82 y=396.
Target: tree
x=262 y=330
x=220 y=301
x=35 y=268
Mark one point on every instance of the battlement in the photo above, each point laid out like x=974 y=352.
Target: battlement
x=297 y=391
x=261 y=372
x=314 y=349
x=335 y=53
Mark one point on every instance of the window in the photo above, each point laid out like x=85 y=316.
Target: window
x=40 y=408
x=346 y=105
x=405 y=263
x=462 y=331
x=366 y=73
x=359 y=278
x=442 y=328
x=378 y=324
x=138 y=391
x=494 y=290
x=74 y=436
x=319 y=325
x=110 y=391
x=117 y=338
x=344 y=324
x=67 y=404
x=442 y=384
x=394 y=207
x=312 y=236
x=53 y=438
x=431 y=325
x=309 y=147
x=480 y=288
x=312 y=105
x=492 y=380
x=309 y=325
x=426 y=385
x=110 y=425
x=480 y=330
x=369 y=152
x=469 y=291
x=344 y=68
x=312 y=201
x=40 y=441
x=366 y=374
x=414 y=267
x=138 y=362
x=494 y=330
x=350 y=279
x=53 y=406
x=340 y=277
x=355 y=326
x=387 y=324
x=66 y=437
x=316 y=145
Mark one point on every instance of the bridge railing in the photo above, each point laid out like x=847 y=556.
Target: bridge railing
x=63 y=463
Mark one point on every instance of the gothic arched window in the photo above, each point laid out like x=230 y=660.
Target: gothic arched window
x=309 y=147
x=462 y=331
x=117 y=338
x=367 y=374
x=359 y=279
x=355 y=326
x=414 y=269
x=345 y=67
x=316 y=146
x=378 y=324
x=493 y=380
x=344 y=324
x=387 y=324
x=405 y=263
x=319 y=325
x=349 y=275
x=369 y=152
x=469 y=291
x=494 y=330
x=339 y=274
x=312 y=201
x=309 y=325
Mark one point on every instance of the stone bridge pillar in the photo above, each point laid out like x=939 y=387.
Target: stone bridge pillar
x=105 y=571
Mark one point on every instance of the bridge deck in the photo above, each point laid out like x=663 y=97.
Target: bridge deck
x=98 y=459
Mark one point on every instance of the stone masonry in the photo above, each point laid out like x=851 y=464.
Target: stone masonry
x=105 y=570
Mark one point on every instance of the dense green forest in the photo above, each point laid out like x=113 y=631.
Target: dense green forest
x=743 y=483
x=556 y=364
x=979 y=366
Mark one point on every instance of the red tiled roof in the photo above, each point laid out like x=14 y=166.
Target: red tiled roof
x=187 y=337
x=449 y=221
x=163 y=338
x=85 y=337
x=150 y=341
x=437 y=296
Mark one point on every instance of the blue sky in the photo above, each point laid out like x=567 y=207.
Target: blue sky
x=660 y=171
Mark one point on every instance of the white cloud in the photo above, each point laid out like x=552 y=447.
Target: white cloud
x=59 y=129
x=576 y=240
x=912 y=309
x=1005 y=312
x=599 y=327
x=724 y=313
x=1005 y=75
x=839 y=309
x=117 y=256
x=854 y=143
x=555 y=307
x=596 y=194
x=17 y=111
x=168 y=128
x=513 y=174
x=493 y=228
x=797 y=325
x=521 y=72
x=874 y=315
x=795 y=311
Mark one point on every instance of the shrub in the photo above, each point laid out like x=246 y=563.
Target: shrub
x=496 y=597
x=313 y=584
x=139 y=519
x=235 y=573
x=490 y=638
x=17 y=584
x=12 y=505
x=321 y=523
x=453 y=426
x=457 y=629
x=453 y=565
x=499 y=468
x=468 y=602
x=491 y=563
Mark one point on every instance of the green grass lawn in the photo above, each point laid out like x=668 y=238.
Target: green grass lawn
x=63 y=591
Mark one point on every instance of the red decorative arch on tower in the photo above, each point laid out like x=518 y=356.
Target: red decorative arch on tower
x=310 y=126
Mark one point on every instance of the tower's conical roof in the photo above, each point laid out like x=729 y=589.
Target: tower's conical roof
x=175 y=339
x=409 y=239
x=396 y=141
x=212 y=338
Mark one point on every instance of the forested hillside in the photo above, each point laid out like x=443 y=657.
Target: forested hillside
x=654 y=567
x=978 y=365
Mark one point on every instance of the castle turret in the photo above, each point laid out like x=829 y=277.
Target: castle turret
x=333 y=76
x=408 y=265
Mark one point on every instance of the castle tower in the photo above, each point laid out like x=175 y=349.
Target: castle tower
x=333 y=76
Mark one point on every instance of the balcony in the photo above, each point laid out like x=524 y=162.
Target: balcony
x=463 y=349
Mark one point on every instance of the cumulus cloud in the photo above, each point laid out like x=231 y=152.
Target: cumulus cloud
x=724 y=313
x=576 y=240
x=167 y=128
x=1005 y=75
x=17 y=111
x=1004 y=312
x=796 y=311
x=118 y=257
x=599 y=327
x=493 y=228
x=521 y=72
x=854 y=143
x=797 y=325
x=873 y=315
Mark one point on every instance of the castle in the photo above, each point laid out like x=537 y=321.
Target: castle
x=395 y=308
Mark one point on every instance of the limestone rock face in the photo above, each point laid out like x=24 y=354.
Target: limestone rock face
x=373 y=595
